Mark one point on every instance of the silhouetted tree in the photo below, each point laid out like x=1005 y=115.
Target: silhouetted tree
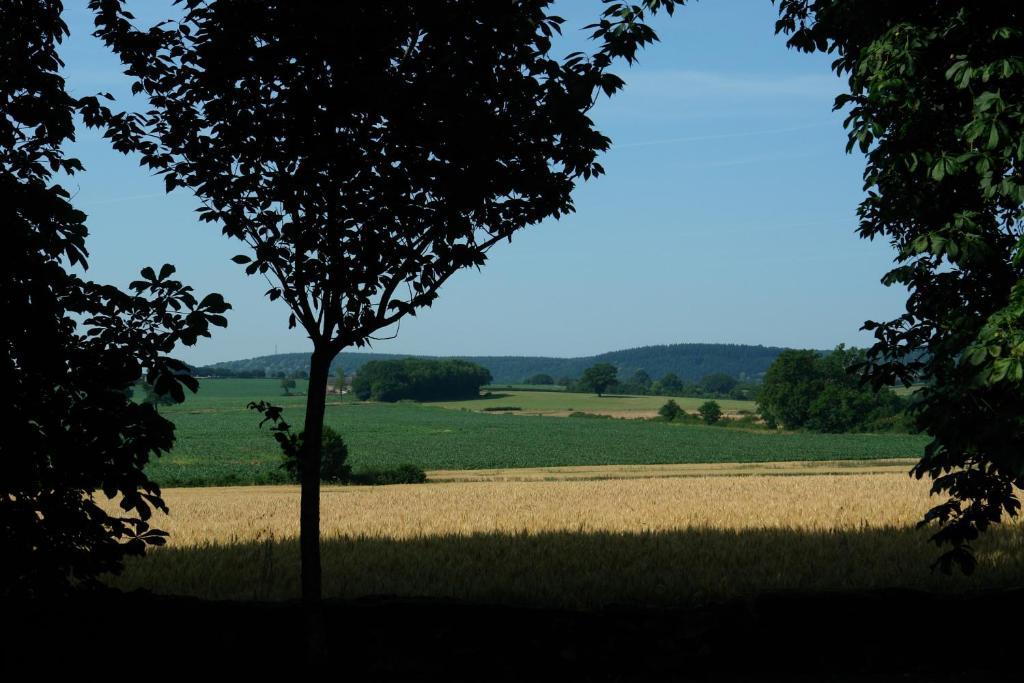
x=73 y=350
x=366 y=151
x=936 y=102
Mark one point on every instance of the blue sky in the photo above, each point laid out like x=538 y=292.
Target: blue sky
x=727 y=213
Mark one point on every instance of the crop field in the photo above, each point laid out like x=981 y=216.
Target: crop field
x=661 y=541
x=219 y=441
x=563 y=403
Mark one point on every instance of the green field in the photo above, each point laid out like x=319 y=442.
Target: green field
x=540 y=402
x=219 y=441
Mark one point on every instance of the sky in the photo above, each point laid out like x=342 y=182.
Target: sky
x=726 y=214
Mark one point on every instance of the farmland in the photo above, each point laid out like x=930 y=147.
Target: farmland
x=562 y=403
x=578 y=544
x=218 y=441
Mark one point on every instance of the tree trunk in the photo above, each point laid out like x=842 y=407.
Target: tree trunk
x=309 y=506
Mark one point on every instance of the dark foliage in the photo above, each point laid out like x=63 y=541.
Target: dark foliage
x=718 y=383
x=73 y=349
x=419 y=380
x=670 y=411
x=807 y=390
x=710 y=412
x=936 y=103
x=540 y=380
x=399 y=474
x=598 y=378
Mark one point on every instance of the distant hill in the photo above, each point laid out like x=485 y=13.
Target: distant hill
x=689 y=361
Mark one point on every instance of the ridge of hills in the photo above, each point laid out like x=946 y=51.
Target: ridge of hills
x=690 y=362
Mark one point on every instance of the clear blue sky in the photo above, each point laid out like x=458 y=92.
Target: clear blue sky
x=726 y=214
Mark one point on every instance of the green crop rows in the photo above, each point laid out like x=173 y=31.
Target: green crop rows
x=219 y=441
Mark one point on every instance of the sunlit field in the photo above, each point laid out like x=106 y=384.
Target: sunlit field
x=219 y=441
x=587 y=543
x=562 y=403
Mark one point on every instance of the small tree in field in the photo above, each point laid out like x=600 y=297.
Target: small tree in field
x=287 y=384
x=670 y=410
x=366 y=151
x=710 y=412
x=599 y=377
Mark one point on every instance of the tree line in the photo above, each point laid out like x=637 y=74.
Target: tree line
x=419 y=380
x=603 y=378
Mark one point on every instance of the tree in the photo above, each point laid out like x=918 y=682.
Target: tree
x=365 y=152
x=805 y=389
x=287 y=384
x=334 y=467
x=710 y=412
x=339 y=380
x=73 y=350
x=790 y=385
x=670 y=411
x=936 y=104
x=641 y=379
x=599 y=377
x=419 y=379
x=718 y=383
x=669 y=385
x=540 y=380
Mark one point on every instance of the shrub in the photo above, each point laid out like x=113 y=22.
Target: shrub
x=710 y=412
x=399 y=474
x=670 y=410
x=333 y=456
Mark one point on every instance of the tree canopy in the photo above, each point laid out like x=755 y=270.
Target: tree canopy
x=805 y=389
x=599 y=378
x=935 y=102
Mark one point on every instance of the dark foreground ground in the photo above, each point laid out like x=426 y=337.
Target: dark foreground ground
x=883 y=636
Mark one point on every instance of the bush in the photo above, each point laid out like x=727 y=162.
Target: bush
x=670 y=410
x=500 y=409
x=400 y=474
x=333 y=456
x=710 y=412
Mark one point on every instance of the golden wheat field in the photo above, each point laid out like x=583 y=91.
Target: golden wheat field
x=575 y=543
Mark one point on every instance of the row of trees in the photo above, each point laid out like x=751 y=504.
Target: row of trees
x=419 y=380
x=603 y=378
